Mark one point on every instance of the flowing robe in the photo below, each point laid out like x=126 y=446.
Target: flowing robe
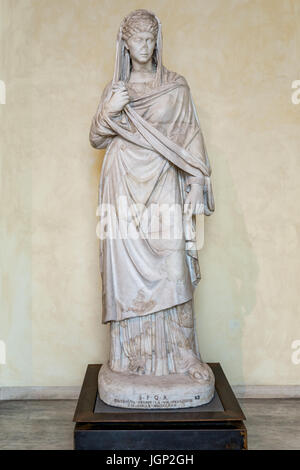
x=155 y=149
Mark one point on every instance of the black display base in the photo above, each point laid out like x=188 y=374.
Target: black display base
x=215 y=426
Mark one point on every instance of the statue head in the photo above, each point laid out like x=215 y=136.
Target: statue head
x=139 y=33
x=140 y=39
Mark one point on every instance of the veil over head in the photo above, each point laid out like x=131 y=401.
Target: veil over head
x=122 y=61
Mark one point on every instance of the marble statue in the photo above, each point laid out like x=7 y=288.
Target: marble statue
x=155 y=157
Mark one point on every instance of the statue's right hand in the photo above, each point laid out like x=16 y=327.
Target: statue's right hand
x=117 y=101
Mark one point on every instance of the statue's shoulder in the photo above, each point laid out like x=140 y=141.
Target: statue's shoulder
x=173 y=77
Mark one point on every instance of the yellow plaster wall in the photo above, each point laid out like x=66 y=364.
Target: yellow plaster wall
x=240 y=58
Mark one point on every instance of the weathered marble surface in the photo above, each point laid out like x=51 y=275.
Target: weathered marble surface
x=157 y=344
x=156 y=164
x=147 y=392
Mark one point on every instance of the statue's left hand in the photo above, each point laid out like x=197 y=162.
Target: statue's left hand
x=194 y=202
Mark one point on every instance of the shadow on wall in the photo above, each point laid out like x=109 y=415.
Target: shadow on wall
x=227 y=291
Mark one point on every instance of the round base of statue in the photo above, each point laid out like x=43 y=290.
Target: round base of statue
x=171 y=391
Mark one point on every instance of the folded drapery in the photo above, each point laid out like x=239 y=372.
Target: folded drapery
x=157 y=344
x=155 y=149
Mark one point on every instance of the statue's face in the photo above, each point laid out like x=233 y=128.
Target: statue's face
x=141 y=46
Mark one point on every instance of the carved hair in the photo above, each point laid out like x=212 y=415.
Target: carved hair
x=136 y=22
x=139 y=21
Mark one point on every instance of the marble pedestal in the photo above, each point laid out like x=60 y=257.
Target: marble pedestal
x=152 y=392
x=215 y=426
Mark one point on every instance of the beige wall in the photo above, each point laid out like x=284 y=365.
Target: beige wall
x=240 y=58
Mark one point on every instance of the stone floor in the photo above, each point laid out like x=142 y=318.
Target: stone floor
x=47 y=424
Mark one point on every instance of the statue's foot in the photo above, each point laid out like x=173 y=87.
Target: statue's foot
x=192 y=365
x=199 y=371
x=136 y=366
